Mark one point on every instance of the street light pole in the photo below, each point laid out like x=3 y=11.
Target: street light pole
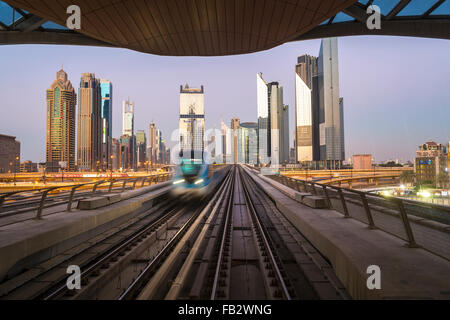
x=15 y=169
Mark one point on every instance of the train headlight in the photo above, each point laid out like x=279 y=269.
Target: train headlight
x=178 y=181
x=198 y=181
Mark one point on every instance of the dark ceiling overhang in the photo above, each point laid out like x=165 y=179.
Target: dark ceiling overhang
x=210 y=27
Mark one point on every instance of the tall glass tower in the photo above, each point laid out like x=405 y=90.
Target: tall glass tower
x=262 y=100
x=306 y=109
x=60 y=142
x=330 y=120
x=319 y=110
x=89 y=124
x=272 y=116
x=192 y=122
x=247 y=143
x=128 y=131
x=128 y=117
x=106 y=91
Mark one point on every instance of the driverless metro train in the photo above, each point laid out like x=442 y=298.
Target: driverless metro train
x=192 y=180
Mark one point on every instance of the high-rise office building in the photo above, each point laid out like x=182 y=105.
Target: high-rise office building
x=247 y=143
x=128 y=117
x=115 y=154
x=227 y=149
x=152 y=143
x=341 y=124
x=89 y=133
x=330 y=119
x=273 y=134
x=141 y=145
x=128 y=130
x=234 y=127
x=127 y=145
x=60 y=141
x=306 y=109
x=106 y=91
x=284 y=134
x=262 y=101
x=319 y=111
x=158 y=146
x=192 y=122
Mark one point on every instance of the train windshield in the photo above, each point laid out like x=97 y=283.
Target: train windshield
x=191 y=167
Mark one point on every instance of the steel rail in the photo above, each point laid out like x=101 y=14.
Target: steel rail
x=181 y=277
x=119 y=247
x=130 y=292
x=262 y=232
x=224 y=237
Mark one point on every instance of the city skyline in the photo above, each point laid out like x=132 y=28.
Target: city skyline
x=416 y=104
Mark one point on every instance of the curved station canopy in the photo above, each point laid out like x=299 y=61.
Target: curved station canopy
x=214 y=27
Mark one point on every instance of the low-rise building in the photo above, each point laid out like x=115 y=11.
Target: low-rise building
x=28 y=166
x=362 y=161
x=9 y=154
x=431 y=164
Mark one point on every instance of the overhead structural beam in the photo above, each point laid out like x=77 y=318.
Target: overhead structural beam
x=29 y=23
x=357 y=11
x=426 y=28
x=397 y=9
x=49 y=37
x=434 y=7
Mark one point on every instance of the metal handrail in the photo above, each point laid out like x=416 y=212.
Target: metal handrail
x=43 y=192
x=365 y=203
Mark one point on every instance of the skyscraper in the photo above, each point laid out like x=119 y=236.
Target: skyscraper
x=247 y=143
x=115 y=154
x=128 y=130
x=234 y=127
x=89 y=124
x=262 y=100
x=319 y=111
x=341 y=114
x=272 y=119
x=141 y=145
x=106 y=114
x=192 y=122
x=226 y=143
x=306 y=109
x=284 y=134
x=151 y=148
x=60 y=142
x=158 y=146
x=128 y=117
x=330 y=120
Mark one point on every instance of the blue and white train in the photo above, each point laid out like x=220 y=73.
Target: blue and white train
x=192 y=180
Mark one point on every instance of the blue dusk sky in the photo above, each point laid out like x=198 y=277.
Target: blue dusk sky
x=396 y=90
